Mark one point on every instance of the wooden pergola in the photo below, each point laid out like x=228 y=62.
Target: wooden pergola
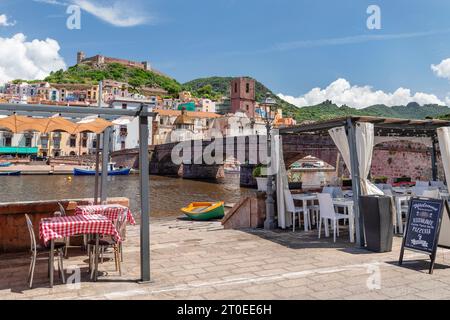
x=39 y=118
x=385 y=127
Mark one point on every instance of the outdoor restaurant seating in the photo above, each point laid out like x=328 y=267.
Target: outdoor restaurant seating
x=438 y=184
x=110 y=242
x=38 y=250
x=291 y=208
x=328 y=212
x=434 y=194
x=62 y=213
x=424 y=184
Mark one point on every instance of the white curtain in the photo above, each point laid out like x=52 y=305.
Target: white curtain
x=282 y=183
x=339 y=137
x=364 y=147
x=444 y=146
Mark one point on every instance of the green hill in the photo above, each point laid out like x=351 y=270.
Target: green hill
x=135 y=77
x=220 y=86
x=327 y=110
x=217 y=87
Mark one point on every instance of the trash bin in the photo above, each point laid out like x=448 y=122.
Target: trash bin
x=376 y=212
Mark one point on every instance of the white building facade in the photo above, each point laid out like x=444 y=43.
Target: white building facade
x=126 y=132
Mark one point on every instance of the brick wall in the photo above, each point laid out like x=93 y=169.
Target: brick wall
x=404 y=159
x=14 y=236
x=397 y=159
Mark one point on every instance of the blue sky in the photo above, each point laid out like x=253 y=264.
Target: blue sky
x=291 y=46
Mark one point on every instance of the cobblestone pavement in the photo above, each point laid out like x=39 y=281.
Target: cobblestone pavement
x=203 y=261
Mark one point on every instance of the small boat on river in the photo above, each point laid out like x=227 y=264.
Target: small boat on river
x=5 y=164
x=112 y=171
x=204 y=211
x=11 y=173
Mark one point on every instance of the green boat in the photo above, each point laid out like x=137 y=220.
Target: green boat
x=204 y=211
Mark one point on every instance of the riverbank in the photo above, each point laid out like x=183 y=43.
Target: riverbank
x=42 y=169
x=192 y=260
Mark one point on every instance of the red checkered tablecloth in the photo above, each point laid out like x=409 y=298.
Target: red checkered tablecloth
x=111 y=211
x=61 y=227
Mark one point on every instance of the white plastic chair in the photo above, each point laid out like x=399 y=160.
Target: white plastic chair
x=438 y=184
x=329 y=190
x=418 y=191
x=433 y=194
x=425 y=184
x=290 y=207
x=338 y=193
x=327 y=212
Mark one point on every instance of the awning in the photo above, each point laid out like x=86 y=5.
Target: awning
x=18 y=150
x=20 y=124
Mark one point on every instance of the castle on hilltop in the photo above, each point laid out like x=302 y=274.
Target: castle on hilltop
x=100 y=60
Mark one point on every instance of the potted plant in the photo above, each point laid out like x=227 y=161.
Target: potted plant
x=260 y=174
x=380 y=180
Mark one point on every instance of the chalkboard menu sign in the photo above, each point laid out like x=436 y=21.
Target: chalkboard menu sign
x=423 y=227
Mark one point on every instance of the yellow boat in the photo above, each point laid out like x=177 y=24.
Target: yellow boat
x=204 y=211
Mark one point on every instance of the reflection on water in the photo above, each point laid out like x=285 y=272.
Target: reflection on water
x=167 y=195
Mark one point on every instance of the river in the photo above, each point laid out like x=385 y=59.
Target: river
x=167 y=195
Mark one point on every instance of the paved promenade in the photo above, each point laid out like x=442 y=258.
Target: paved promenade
x=42 y=169
x=203 y=261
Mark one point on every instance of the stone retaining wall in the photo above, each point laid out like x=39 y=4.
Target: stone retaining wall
x=14 y=236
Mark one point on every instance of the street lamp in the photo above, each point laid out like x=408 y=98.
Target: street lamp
x=270 y=106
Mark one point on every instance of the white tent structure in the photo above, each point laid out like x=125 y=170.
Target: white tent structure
x=355 y=138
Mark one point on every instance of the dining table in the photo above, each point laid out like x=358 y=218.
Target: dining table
x=51 y=229
x=346 y=203
x=111 y=211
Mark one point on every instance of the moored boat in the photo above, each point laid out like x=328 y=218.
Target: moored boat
x=115 y=172
x=5 y=164
x=11 y=173
x=204 y=211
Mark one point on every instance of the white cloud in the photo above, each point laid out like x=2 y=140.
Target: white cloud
x=442 y=70
x=29 y=60
x=5 y=22
x=117 y=13
x=342 y=92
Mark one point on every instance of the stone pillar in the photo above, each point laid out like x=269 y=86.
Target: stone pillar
x=203 y=172
x=167 y=169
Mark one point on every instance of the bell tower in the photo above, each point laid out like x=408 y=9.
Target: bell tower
x=243 y=96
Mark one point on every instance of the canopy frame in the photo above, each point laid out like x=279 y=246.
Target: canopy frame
x=143 y=113
x=382 y=126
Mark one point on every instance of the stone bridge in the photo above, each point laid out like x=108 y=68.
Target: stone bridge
x=392 y=159
x=251 y=150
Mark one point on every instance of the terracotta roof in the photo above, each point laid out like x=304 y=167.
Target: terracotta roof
x=193 y=114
